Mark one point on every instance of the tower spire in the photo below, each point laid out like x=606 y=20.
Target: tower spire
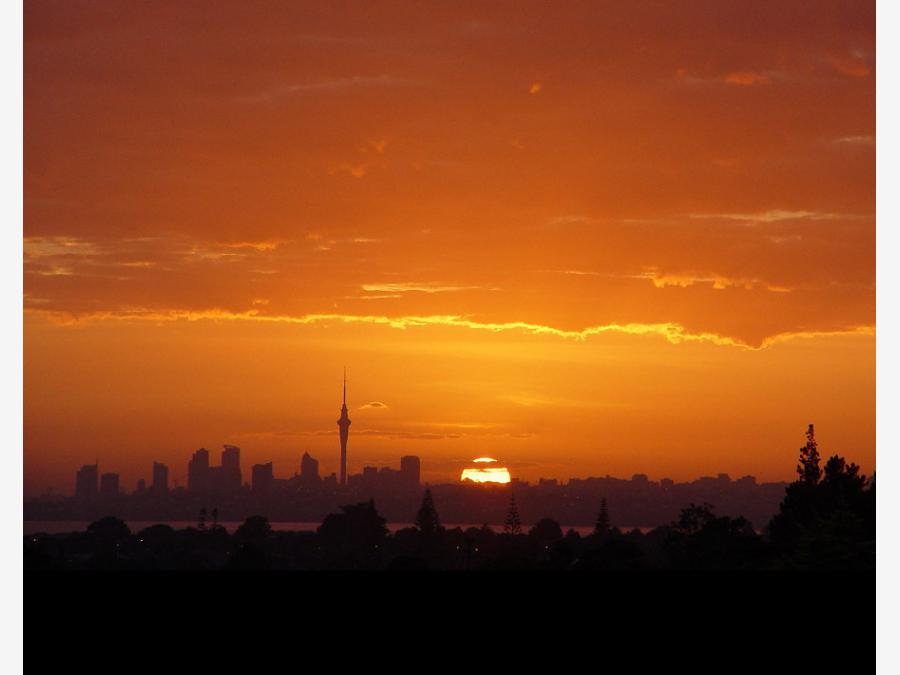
x=344 y=427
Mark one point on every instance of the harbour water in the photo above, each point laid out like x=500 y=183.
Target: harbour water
x=32 y=527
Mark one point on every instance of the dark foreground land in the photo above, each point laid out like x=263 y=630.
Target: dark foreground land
x=826 y=521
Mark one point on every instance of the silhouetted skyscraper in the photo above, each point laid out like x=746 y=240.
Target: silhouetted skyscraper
x=109 y=485
x=410 y=471
x=86 y=481
x=309 y=468
x=231 y=468
x=198 y=471
x=262 y=477
x=160 y=478
x=344 y=426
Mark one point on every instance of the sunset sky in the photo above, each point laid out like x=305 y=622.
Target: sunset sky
x=582 y=238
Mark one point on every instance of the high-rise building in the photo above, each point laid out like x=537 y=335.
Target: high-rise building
x=231 y=468
x=262 y=477
x=344 y=426
x=86 y=481
x=309 y=468
x=141 y=486
x=160 y=478
x=369 y=478
x=198 y=471
x=410 y=471
x=109 y=485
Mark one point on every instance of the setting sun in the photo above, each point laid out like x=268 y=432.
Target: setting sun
x=486 y=474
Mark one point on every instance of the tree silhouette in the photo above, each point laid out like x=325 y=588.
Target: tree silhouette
x=109 y=531
x=808 y=467
x=427 y=519
x=694 y=518
x=108 y=536
x=250 y=539
x=253 y=531
x=545 y=532
x=357 y=534
x=701 y=540
x=602 y=526
x=827 y=523
x=513 y=524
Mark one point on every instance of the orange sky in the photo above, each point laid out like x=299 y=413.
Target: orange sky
x=586 y=238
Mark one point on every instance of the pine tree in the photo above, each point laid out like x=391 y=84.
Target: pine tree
x=602 y=526
x=513 y=524
x=427 y=520
x=808 y=468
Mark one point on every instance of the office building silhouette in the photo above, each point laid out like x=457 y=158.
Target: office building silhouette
x=160 y=485
x=262 y=478
x=410 y=471
x=198 y=471
x=309 y=468
x=86 y=481
x=109 y=485
x=231 y=469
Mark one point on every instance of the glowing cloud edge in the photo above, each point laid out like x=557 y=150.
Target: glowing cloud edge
x=674 y=333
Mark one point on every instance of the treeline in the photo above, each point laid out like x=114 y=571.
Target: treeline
x=826 y=521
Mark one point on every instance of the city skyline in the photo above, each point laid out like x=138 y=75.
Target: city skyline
x=202 y=476
x=476 y=468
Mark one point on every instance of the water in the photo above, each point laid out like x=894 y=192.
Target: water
x=64 y=526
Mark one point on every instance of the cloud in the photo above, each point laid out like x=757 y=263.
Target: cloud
x=379 y=145
x=415 y=287
x=570 y=220
x=855 y=140
x=687 y=279
x=206 y=254
x=355 y=170
x=341 y=85
x=377 y=405
x=785 y=238
x=380 y=296
x=577 y=273
x=402 y=434
x=739 y=78
x=746 y=78
x=718 y=281
x=56 y=271
x=771 y=216
x=378 y=433
x=44 y=247
x=674 y=333
x=852 y=66
x=266 y=245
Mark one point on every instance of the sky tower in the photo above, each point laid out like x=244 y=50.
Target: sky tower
x=344 y=425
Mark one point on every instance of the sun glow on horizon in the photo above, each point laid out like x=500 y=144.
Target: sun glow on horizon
x=488 y=474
